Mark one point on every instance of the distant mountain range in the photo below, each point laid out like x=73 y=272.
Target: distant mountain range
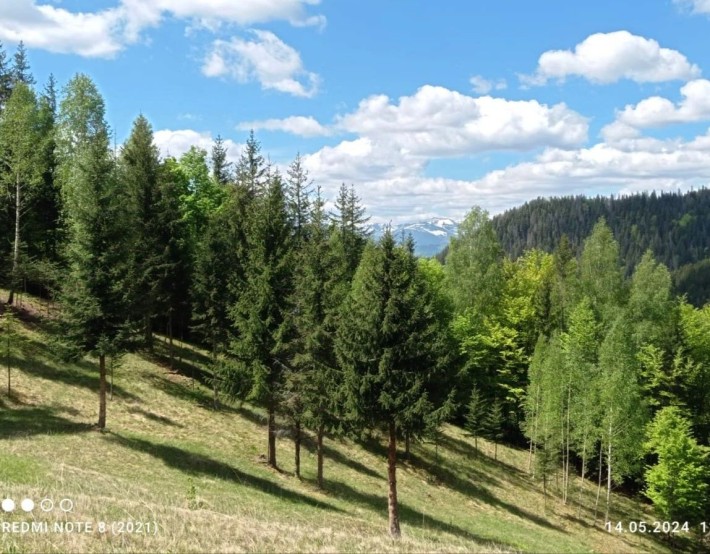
x=430 y=236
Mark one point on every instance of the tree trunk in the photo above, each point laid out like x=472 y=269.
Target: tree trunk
x=112 y=359
x=171 y=348
x=319 y=454
x=9 y=388
x=599 y=484
x=495 y=451
x=584 y=470
x=271 y=452
x=567 y=446
x=392 y=478
x=297 y=448
x=102 y=391
x=148 y=332
x=16 y=245
x=608 y=478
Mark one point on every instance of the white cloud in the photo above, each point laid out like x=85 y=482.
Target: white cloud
x=609 y=57
x=96 y=34
x=266 y=59
x=104 y=33
x=696 y=6
x=176 y=142
x=437 y=122
x=656 y=111
x=296 y=125
x=482 y=85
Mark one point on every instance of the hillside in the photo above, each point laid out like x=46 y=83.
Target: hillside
x=676 y=227
x=168 y=458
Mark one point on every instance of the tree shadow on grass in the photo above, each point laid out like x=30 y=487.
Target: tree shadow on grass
x=181 y=366
x=195 y=395
x=407 y=514
x=37 y=421
x=154 y=417
x=68 y=376
x=331 y=454
x=199 y=464
x=467 y=487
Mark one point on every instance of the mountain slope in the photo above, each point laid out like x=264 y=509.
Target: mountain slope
x=430 y=236
x=168 y=458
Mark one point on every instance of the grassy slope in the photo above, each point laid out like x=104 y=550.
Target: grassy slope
x=167 y=457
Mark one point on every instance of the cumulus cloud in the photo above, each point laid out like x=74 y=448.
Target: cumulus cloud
x=265 y=59
x=436 y=122
x=295 y=125
x=656 y=111
x=176 y=142
x=91 y=34
x=482 y=85
x=104 y=33
x=604 y=58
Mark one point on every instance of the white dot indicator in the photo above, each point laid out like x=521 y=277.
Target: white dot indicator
x=8 y=505
x=27 y=505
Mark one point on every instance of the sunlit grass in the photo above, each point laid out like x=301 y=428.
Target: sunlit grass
x=167 y=457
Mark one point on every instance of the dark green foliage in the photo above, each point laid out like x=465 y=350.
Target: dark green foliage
x=21 y=67
x=351 y=229
x=298 y=191
x=476 y=415
x=251 y=170
x=674 y=226
x=139 y=171
x=262 y=345
x=693 y=281
x=221 y=168
x=5 y=78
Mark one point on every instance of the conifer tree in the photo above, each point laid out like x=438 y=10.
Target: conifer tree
x=221 y=168
x=21 y=67
x=351 y=229
x=476 y=416
x=252 y=171
x=94 y=307
x=139 y=171
x=298 y=193
x=19 y=162
x=387 y=344
x=494 y=425
x=5 y=78
x=262 y=345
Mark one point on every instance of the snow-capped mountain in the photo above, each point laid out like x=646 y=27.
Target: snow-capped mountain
x=430 y=236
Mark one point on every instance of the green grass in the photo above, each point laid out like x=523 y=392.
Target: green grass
x=169 y=458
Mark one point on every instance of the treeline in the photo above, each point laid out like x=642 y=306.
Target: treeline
x=302 y=314
x=335 y=334
x=674 y=226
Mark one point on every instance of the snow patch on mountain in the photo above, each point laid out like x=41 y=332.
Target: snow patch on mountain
x=430 y=236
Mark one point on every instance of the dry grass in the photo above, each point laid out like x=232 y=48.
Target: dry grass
x=168 y=458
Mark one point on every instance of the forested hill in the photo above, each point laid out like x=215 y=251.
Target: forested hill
x=676 y=227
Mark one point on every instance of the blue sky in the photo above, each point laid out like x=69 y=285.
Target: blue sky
x=427 y=108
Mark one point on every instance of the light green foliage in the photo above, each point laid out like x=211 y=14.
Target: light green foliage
x=679 y=483
x=600 y=275
x=204 y=194
x=474 y=265
x=692 y=364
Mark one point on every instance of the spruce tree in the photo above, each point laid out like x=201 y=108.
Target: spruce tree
x=298 y=193
x=139 y=172
x=262 y=343
x=494 y=425
x=21 y=67
x=94 y=307
x=252 y=171
x=221 y=168
x=5 y=78
x=476 y=416
x=387 y=344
